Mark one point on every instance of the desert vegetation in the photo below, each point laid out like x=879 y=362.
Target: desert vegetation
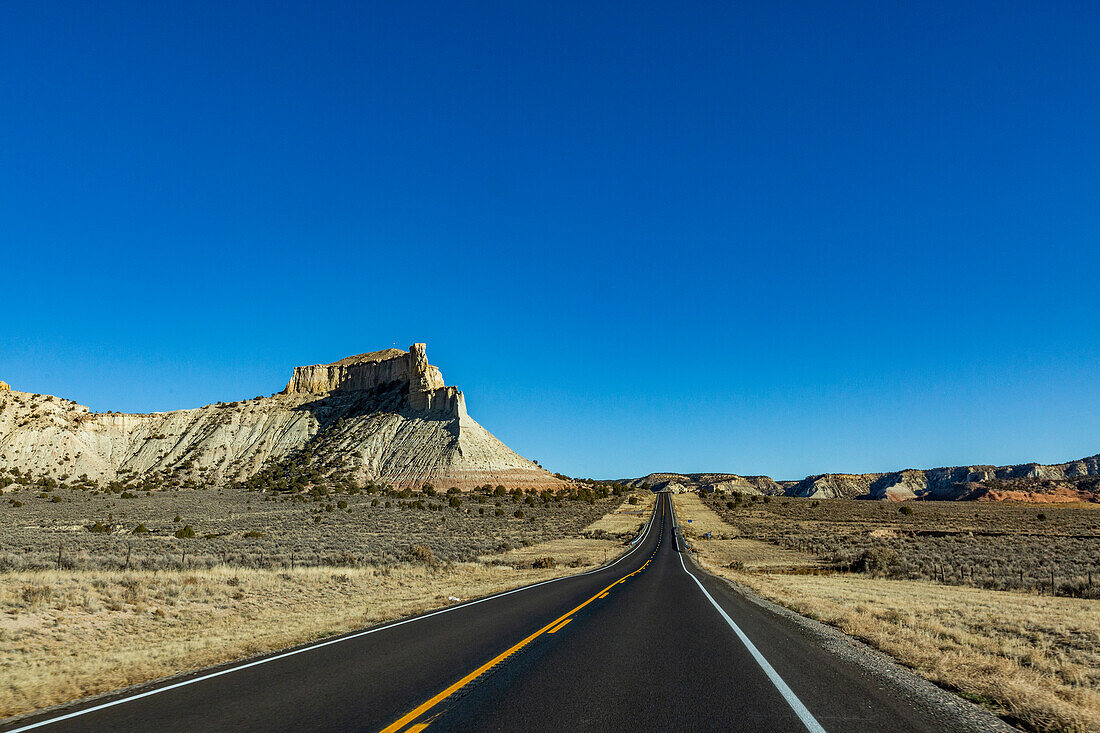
x=288 y=525
x=1044 y=548
x=936 y=585
x=136 y=572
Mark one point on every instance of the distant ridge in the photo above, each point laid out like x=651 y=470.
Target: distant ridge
x=1032 y=482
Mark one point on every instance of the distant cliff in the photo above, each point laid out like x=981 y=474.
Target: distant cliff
x=1071 y=481
x=385 y=417
x=1026 y=481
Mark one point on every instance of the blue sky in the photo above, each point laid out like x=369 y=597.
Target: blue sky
x=758 y=237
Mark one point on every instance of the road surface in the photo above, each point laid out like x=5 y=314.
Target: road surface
x=649 y=642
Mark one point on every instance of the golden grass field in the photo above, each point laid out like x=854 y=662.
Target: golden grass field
x=627 y=517
x=74 y=633
x=1033 y=659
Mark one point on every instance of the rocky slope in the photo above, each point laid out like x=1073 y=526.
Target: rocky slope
x=1072 y=481
x=385 y=417
x=720 y=482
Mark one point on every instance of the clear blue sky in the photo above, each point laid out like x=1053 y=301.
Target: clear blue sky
x=760 y=237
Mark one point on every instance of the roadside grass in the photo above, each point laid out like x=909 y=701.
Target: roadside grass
x=627 y=518
x=71 y=633
x=745 y=554
x=696 y=518
x=1032 y=659
x=68 y=635
x=570 y=552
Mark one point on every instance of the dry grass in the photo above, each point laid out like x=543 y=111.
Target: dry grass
x=696 y=519
x=73 y=633
x=186 y=620
x=627 y=518
x=753 y=555
x=1034 y=660
x=991 y=545
x=571 y=552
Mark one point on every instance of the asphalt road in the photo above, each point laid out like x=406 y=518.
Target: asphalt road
x=647 y=643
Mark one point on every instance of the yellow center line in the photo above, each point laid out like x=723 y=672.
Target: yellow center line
x=559 y=627
x=448 y=691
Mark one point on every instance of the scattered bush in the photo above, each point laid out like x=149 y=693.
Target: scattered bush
x=422 y=553
x=185 y=532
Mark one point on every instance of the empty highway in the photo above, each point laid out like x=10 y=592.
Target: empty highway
x=649 y=642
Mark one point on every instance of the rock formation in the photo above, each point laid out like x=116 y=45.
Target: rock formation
x=4 y=387
x=426 y=390
x=720 y=482
x=1071 y=481
x=387 y=416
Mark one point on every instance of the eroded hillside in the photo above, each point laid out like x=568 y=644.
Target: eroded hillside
x=383 y=417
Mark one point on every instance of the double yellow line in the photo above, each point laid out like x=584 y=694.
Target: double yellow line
x=550 y=628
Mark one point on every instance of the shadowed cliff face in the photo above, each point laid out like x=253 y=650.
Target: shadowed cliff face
x=426 y=389
x=384 y=416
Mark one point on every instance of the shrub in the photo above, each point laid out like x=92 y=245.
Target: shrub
x=185 y=532
x=422 y=553
x=518 y=514
x=36 y=593
x=544 y=562
x=253 y=534
x=633 y=500
x=140 y=529
x=1040 y=516
x=875 y=559
x=906 y=510
x=99 y=528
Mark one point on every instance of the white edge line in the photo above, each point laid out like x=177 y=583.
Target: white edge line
x=799 y=709
x=318 y=645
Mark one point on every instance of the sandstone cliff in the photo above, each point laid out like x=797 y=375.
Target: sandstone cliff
x=385 y=416
x=958 y=482
x=721 y=482
x=1072 y=481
